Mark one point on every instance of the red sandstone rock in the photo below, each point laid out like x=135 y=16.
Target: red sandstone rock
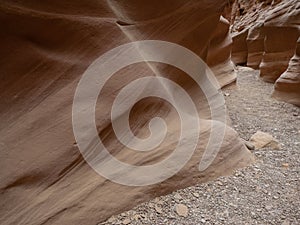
x=219 y=54
x=45 y=48
x=273 y=29
x=281 y=29
x=239 y=48
x=287 y=87
x=255 y=46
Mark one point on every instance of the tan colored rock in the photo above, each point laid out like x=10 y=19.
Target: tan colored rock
x=281 y=29
x=219 y=54
x=126 y=221
x=45 y=48
x=280 y=44
x=285 y=165
x=181 y=210
x=177 y=196
x=136 y=217
x=248 y=30
x=273 y=30
x=255 y=45
x=239 y=48
x=158 y=209
x=196 y=194
x=287 y=87
x=261 y=139
x=249 y=145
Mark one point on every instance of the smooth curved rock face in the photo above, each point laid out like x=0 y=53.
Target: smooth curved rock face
x=255 y=46
x=45 y=48
x=248 y=37
x=281 y=29
x=273 y=29
x=219 y=54
x=280 y=43
x=287 y=87
x=239 y=48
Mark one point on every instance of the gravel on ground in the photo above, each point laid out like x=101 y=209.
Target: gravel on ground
x=266 y=192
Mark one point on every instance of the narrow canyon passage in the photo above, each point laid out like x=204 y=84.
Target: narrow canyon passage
x=107 y=105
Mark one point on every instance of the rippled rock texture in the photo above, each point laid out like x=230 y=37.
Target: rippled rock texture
x=265 y=37
x=45 y=48
x=287 y=87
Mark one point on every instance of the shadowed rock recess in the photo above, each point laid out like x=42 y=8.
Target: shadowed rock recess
x=46 y=46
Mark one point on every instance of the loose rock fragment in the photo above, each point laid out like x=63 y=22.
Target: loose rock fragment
x=177 y=196
x=181 y=210
x=196 y=194
x=285 y=165
x=158 y=209
x=249 y=145
x=126 y=221
x=261 y=139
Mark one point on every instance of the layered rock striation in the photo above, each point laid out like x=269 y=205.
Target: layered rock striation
x=287 y=87
x=46 y=46
x=265 y=36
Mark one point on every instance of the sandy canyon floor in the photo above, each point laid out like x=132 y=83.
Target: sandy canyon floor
x=266 y=192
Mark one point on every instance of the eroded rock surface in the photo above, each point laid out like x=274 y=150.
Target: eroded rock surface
x=281 y=29
x=45 y=48
x=219 y=53
x=265 y=35
x=287 y=87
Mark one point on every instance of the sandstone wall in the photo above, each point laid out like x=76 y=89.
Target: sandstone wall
x=239 y=48
x=273 y=29
x=281 y=30
x=287 y=87
x=219 y=53
x=45 y=48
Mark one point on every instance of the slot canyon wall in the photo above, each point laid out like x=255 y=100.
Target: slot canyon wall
x=45 y=48
x=265 y=35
